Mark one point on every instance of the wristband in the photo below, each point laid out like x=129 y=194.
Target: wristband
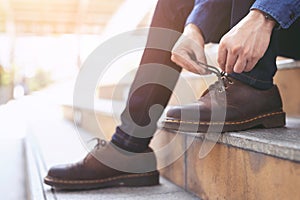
x=270 y=18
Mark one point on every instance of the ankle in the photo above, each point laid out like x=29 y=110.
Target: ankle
x=129 y=148
x=252 y=82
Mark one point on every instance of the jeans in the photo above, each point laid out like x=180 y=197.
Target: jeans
x=172 y=14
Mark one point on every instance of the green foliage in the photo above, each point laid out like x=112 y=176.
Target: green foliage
x=40 y=80
x=6 y=77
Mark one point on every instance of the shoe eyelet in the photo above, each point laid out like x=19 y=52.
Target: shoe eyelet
x=222 y=89
x=102 y=143
x=230 y=82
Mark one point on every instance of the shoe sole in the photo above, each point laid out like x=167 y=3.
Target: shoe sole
x=270 y=120
x=129 y=180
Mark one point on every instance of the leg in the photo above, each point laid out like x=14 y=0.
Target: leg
x=108 y=165
x=172 y=15
x=289 y=41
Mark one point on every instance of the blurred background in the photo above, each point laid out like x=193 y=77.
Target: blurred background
x=44 y=42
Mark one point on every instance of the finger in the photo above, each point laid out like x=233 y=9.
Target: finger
x=250 y=65
x=240 y=65
x=201 y=58
x=230 y=62
x=185 y=62
x=222 y=54
x=180 y=61
x=200 y=55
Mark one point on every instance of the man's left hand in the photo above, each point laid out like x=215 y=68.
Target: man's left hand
x=242 y=47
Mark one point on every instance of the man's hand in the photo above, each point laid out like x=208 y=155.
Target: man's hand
x=189 y=49
x=242 y=47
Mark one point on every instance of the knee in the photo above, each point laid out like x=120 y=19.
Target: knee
x=167 y=4
x=175 y=6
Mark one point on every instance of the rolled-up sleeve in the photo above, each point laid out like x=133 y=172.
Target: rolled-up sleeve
x=285 y=12
x=211 y=16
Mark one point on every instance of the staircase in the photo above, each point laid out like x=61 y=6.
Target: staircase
x=254 y=164
x=51 y=140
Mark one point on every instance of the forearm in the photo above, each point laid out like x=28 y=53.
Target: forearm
x=192 y=31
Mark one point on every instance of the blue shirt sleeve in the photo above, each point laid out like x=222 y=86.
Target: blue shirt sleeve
x=211 y=16
x=285 y=12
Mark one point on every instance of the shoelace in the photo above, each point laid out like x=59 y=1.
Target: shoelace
x=99 y=142
x=223 y=79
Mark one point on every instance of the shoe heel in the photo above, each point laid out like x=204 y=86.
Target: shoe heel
x=274 y=121
x=141 y=181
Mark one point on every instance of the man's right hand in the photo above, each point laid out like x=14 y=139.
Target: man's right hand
x=189 y=49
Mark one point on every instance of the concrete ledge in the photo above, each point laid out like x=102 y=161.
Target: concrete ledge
x=288 y=82
x=288 y=64
x=104 y=117
x=233 y=173
x=13 y=181
x=255 y=164
x=35 y=170
x=279 y=142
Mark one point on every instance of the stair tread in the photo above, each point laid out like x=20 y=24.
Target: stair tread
x=288 y=64
x=280 y=142
x=104 y=106
x=164 y=191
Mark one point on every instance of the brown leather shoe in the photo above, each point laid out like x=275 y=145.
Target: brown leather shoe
x=120 y=169
x=236 y=106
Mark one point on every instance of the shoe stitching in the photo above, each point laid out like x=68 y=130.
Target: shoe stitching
x=225 y=123
x=98 y=180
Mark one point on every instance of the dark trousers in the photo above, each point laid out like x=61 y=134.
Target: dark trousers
x=138 y=124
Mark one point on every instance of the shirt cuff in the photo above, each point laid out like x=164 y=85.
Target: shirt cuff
x=285 y=12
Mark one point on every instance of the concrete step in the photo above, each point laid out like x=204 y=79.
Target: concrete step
x=104 y=116
x=13 y=185
x=52 y=140
x=288 y=81
x=119 y=92
x=12 y=172
x=238 y=163
x=253 y=164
